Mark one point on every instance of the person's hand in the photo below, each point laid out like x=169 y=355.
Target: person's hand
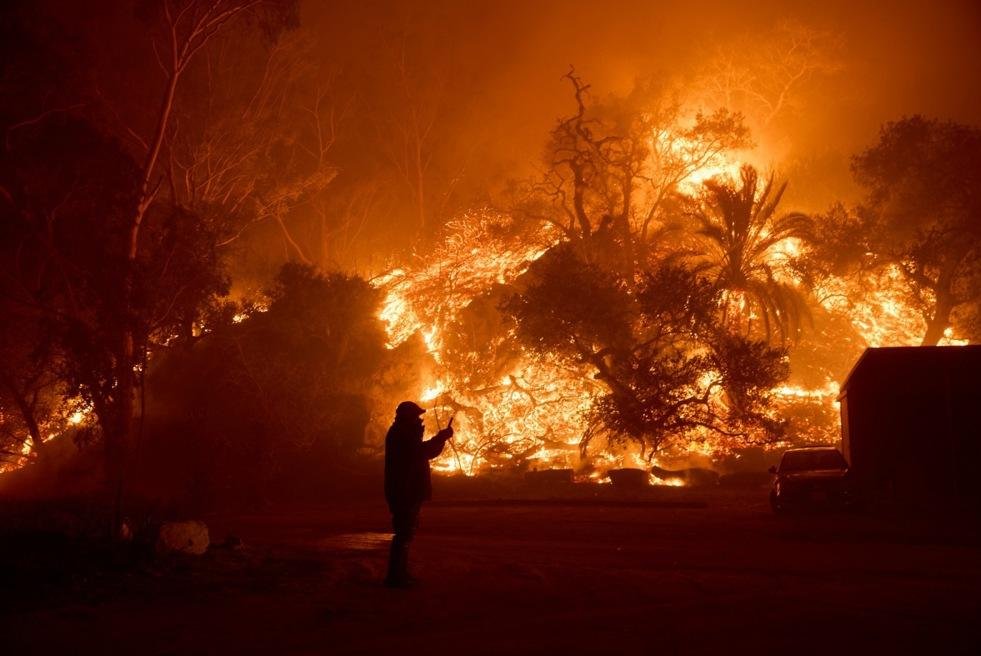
x=445 y=434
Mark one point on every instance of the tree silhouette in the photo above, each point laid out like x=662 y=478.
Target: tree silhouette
x=668 y=370
x=115 y=264
x=769 y=75
x=30 y=389
x=917 y=225
x=738 y=229
x=282 y=394
x=922 y=213
x=611 y=167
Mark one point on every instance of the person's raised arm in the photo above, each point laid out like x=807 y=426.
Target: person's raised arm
x=434 y=446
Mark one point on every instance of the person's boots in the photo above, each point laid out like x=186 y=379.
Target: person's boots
x=407 y=580
x=398 y=566
x=391 y=579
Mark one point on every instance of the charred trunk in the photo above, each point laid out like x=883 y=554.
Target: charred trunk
x=118 y=429
x=938 y=323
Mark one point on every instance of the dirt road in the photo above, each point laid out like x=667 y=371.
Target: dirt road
x=576 y=576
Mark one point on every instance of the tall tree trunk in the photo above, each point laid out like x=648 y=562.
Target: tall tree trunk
x=938 y=323
x=119 y=437
x=578 y=201
x=117 y=417
x=623 y=225
x=119 y=429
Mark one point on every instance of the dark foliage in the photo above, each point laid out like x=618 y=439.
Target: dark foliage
x=657 y=347
x=736 y=228
x=920 y=214
x=478 y=344
x=278 y=402
x=72 y=188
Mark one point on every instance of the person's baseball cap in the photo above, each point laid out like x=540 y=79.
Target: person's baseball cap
x=408 y=409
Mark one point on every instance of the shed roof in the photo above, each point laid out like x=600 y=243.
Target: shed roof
x=916 y=360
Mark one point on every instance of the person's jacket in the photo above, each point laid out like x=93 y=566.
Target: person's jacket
x=407 y=456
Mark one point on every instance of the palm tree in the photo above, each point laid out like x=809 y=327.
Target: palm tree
x=739 y=238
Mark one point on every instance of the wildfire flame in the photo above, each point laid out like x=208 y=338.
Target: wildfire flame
x=881 y=314
x=535 y=411
x=532 y=410
x=74 y=414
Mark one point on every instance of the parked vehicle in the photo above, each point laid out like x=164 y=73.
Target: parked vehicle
x=814 y=476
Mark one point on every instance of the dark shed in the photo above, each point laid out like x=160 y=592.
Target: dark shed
x=911 y=424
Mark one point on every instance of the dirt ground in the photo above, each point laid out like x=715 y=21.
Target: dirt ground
x=678 y=573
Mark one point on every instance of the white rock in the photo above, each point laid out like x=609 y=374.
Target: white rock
x=183 y=537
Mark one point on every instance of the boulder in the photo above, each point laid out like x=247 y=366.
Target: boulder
x=692 y=476
x=629 y=477
x=189 y=537
x=547 y=477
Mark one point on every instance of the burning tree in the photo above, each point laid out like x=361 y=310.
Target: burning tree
x=475 y=365
x=767 y=74
x=566 y=320
x=749 y=250
x=612 y=168
x=921 y=214
x=669 y=370
x=913 y=246
x=30 y=389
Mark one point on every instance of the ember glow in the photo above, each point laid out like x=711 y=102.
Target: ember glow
x=534 y=413
x=571 y=289
x=533 y=410
x=696 y=163
x=447 y=164
x=881 y=311
x=74 y=414
x=470 y=260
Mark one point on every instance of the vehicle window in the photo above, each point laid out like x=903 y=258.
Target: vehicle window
x=807 y=460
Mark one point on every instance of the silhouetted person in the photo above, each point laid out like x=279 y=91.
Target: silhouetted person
x=407 y=482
